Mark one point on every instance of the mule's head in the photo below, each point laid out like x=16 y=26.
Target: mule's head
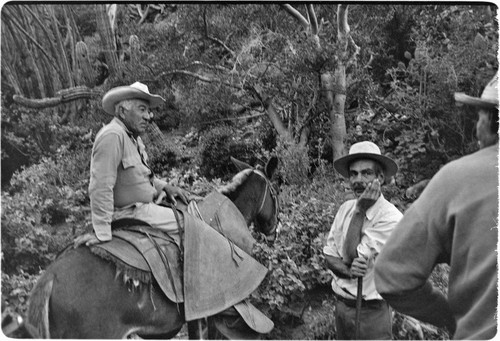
x=253 y=193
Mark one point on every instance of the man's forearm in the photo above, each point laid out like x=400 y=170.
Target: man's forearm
x=101 y=204
x=338 y=267
x=353 y=236
x=159 y=185
x=426 y=304
x=101 y=222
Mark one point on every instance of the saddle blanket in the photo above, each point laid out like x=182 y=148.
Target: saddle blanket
x=150 y=251
x=216 y=273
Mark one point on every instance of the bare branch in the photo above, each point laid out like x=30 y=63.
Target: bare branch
x=142 y=14
x=297 y=15
x=313 y=19
x=221 y=43
x=370 y=61
x=344 y=34
x=199 y=77
x=342 y=25
x=215 y=40
x=213 y=67
x=234 y=118
x=356 y=49
x=273 y=115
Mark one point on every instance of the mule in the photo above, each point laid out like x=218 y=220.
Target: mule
x=80 y=295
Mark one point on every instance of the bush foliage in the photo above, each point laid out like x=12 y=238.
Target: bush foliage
x=296 y=260
x=216 y=147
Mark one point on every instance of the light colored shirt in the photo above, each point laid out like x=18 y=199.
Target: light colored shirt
x=454 y=221
x=380 y=220
x=118 y=176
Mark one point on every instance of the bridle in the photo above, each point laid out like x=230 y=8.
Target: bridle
x=274 y=196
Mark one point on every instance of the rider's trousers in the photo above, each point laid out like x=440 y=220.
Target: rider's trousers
x=157 y=216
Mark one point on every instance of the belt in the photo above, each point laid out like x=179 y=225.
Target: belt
x=364 y=303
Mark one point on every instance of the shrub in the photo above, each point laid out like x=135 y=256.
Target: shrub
x=216 y=148
x=161 y=158
x=45 y=206
x=296 y=260
x=26 y=243
x=267 y=135
x=294 y=162
x=15 y=292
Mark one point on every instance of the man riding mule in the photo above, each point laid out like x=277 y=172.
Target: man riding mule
x=216 y=272
x=121 y=183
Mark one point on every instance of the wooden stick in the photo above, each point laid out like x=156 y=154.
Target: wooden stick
x=359 y=297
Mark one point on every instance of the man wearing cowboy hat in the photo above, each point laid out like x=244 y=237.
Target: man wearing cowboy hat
x=123 y=186
x=454 y=221
x=121 y=183
x=358 y=234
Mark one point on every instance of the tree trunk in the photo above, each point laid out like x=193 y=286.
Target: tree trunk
x=334 y=89
x=335 y=86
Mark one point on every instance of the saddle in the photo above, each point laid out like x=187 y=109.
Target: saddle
x=212 y=275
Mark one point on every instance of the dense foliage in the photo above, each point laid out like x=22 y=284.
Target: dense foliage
x=399 y=95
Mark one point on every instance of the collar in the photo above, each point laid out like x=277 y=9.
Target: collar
x=116 y=120
x=370 y=213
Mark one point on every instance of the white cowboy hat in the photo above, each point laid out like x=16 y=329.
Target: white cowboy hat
x=488 y=99
x=133 y=91
x=365 y=150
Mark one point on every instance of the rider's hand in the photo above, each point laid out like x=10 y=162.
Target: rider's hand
x=369 y=196
x=88 y=239
x=359 y=267
x=170 y=193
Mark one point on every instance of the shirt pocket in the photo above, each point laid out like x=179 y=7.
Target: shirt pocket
x=130 y=161
x=133 y=171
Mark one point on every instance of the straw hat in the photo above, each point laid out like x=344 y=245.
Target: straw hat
x=365 y=150
x=134 y=91
x=488 y=99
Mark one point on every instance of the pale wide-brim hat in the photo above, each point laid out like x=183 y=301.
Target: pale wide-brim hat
x=133 y=91
x=488 y=99
x=365 y=150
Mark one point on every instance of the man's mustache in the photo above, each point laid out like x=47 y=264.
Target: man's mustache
x=358 y=187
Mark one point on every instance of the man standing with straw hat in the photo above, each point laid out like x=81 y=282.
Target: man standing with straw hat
x=454 y=221
x=358 y=234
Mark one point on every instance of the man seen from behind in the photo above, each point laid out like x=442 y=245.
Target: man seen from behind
x=454 y=221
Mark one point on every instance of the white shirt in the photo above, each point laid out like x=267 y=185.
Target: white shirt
x=379 y=222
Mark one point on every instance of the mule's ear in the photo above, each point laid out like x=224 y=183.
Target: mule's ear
x=271 y=166
x=240 y=164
